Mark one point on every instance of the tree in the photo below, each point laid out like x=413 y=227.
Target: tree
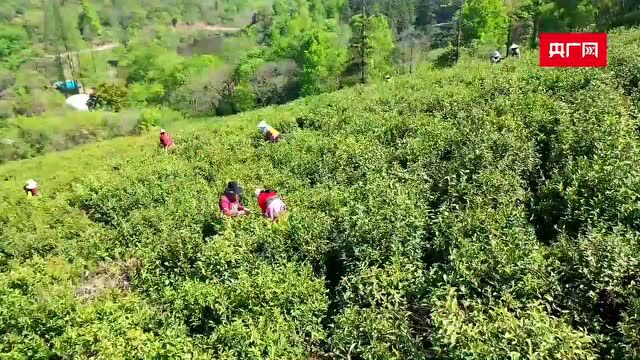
x=324 y=61
x=575 y=15
x=14 y=44
x=410 y=45
x=318 y=11
x=612 y=13
x=484 y=20
x=89 y=22
x=425 y=15
x=371 y=46
x=401 y=13
x=111 y=97
x=520 y=15
x=276 y=82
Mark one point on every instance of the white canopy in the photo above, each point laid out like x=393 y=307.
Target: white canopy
x=78 y=102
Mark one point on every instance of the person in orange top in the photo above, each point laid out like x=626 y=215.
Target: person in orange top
x=165 y=140
x=31 y=188
x=270 y=203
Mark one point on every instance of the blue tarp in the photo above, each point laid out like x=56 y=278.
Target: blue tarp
x=69 y=85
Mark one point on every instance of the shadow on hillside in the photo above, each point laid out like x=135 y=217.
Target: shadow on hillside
x=211 y=228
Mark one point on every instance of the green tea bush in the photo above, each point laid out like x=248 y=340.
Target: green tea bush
x=467 y=330
x=248 y=316
x=473 y=212
x=137 y=330
x=375 y=333
x=631 y=336
x=34 y=136
x=603 y=270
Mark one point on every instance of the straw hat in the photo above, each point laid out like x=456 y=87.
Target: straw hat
x=263 y=126
x=31 y=184
x=162 y=131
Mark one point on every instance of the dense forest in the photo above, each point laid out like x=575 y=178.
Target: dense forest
x=220 y=57
x=438 y=206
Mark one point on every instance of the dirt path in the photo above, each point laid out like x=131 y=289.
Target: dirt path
x=84 y=51
x=203 y=26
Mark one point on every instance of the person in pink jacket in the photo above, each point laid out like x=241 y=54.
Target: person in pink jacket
x=230 y=204
x=165 y=140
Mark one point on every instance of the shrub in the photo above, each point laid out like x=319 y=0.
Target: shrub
x=467 y=330
x=108 y=96
x=446 y=59
x=148 y=118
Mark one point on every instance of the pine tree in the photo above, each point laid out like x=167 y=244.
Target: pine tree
x=371 y=46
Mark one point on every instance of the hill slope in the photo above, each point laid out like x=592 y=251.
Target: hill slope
x=481 y=212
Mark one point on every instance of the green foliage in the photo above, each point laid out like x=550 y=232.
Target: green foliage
x=473 y=331
x=89 y=22
x=484 y=20
x=324 y=61
x=108 y=96
x=14 y=46
x=475 y=212
x=371 y=46
x=34 y=136
x=149 y=118
x=447 y=58
x=243 y=98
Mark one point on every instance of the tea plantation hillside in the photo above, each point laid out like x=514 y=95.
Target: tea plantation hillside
x=478 y=212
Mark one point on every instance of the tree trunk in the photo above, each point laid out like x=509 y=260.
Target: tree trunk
x=411 y=62
x=534 y=35
x=459 y=32
x=509 y=35
x=362 y=51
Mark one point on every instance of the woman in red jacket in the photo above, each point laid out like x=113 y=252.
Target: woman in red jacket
x=165 y=140
x=270 y=203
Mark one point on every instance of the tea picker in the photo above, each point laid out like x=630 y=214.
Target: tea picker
x=270 y=134
x=270 y=203
x=515 y=50
x=165 y=140
x=230 y=204
x=496 y=57
x=31 y=188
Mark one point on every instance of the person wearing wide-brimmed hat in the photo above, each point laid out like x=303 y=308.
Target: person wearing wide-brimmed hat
x=230 y=204
x=31 y=188
x=496 y=57
x=515 y=50
x=270 y=134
